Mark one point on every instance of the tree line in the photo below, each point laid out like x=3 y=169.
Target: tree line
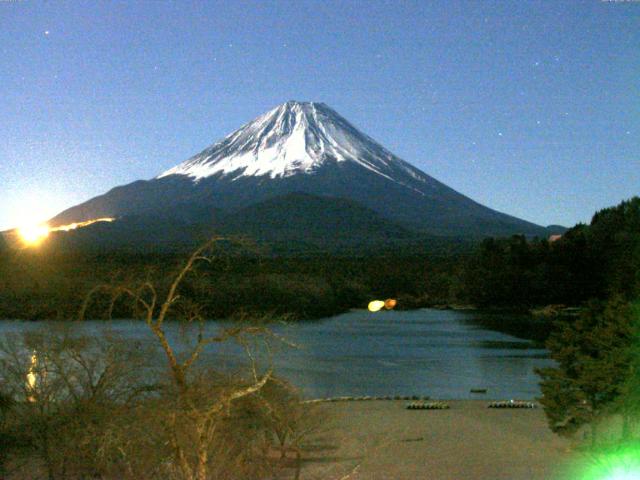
x=593 y=390
x=589 y=261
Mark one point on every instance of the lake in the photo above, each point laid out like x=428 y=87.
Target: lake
x=439 y=353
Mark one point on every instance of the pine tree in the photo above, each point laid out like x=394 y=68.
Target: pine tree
x=629 y=402
x=593 y=355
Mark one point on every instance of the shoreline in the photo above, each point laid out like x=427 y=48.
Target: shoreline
x=382 y=440
x=414 y=398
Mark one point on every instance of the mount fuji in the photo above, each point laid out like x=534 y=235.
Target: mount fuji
x=300 y=160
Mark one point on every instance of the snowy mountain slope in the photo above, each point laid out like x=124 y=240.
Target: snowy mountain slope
x=309 y=148
x=293 y=138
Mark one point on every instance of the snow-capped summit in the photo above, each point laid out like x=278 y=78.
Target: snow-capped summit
x=300 y=148
x=295 y=137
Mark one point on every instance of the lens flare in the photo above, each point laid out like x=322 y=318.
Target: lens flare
x=375 y=305
x=621 y=462
x=623 y=474
x=73 y=226
x=32 y=235
x=31 y=378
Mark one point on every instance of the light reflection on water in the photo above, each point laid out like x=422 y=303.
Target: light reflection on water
x=438 y=353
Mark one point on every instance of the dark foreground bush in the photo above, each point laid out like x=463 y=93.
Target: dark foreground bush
x=77 y=407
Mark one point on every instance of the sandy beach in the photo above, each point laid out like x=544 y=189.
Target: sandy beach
x=382 y=440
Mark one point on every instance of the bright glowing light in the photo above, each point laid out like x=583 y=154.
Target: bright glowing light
x=29 y=207
x=620 y=462
x=33 y=235
x=31 y=377
x=390 y=303
x=620 y=474
x=375 y=305
x=73 y=226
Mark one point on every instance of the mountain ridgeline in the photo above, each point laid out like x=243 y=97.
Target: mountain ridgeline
x=299 y=174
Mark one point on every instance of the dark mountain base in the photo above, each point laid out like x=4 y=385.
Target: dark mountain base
x=590 y=261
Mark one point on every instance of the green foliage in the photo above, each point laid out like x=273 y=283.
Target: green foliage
x=629 y=401
x=614 y=237
x=593 y=355
x=35 y=286
x=588 y=261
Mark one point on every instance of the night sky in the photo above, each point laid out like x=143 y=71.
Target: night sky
x=531 y=108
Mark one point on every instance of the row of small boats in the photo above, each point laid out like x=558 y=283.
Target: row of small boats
x=512 y=404
x=428 y=406
x=445 y=406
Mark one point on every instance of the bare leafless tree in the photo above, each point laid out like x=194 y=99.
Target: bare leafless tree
x=199 y=407
x=103 y=408
x=66 y=389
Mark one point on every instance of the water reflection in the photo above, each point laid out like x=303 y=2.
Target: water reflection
x=443 y=354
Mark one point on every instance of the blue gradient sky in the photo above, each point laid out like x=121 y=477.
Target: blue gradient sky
x=531 y=108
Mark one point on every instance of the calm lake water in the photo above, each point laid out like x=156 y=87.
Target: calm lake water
x=438 y=353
